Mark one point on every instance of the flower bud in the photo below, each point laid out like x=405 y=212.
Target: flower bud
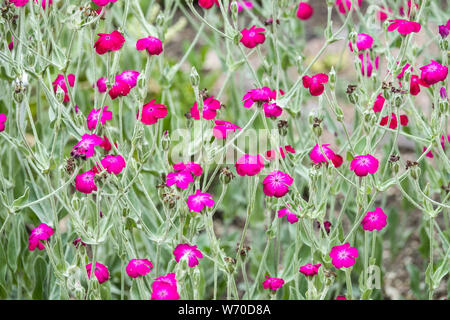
x=160 y=19
x=194 y=77
x=226 y=175
x=60 y=94
x=165 y=141
x=415 y=172
x=234 y=10
x=443 y=44
x=332 y=76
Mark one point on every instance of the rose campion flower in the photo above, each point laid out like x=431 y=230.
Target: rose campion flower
x=41 y=233
x=401 y=10
x=404 y=27
x=317 y=156
x=260 y=95
x=92 y=117
x=101 y=84
x=383 y=13
x=273 y=283
x=433 y=73
x=102 y=3
x=379 y=103
x=242 y=4
x=138 y=267
x=270 y=154
x=345 y=6
x=21 y=3
x=153 y=45
x=194 y=168
x=165 y=288
x=129 y=77
x=106 y=144
x=113 y=164
x=374 y=220
x=151 y=112
x=206 y=4
x=367 y=65
x=272 y=110
x=363 y=41
x=341 y=298
x=309 y=269
x=222 y=128
x=276 y=184
x=101 y=272
x=326 y=225
x=364 y=164
x=393 y=123
x=120 y=88
x=191 y=253
x=443 y=93
x=444 y=30
x=315 y=83
x=248 y=165
x=85 y=183
x=87 y=144
x=210 y=107
x=181 y=178
x=415 y=84
x=109 y=42
x=429 y=153
x=252 y=37
x=61 y=83
x=77 y=243
x=3 y=119
x=343 y=256
x=196 y=202
x=291 y=217
x=304 y=11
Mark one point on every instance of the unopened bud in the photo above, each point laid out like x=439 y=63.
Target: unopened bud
x=194 y=77
x=160 y=19
x=165 y=141
x=60 y=94
x=443 y=44
x=332 y=78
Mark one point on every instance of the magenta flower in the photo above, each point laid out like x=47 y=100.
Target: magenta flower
x=315 y=84
x=276 y=184
x=362 y=165
x=77 y=243
x=181 y=178
x=206 y=4
x=120 y=88
x=106 y=144
x=261 y=95
x=290 y=216
x=429 y=153
x=41 y=233
x=191 y=253
x=222 y=128
x=87 y=144
x=304 y=11
x=92 y=117
x=273 y=283
x=21 y=3
x=138 y=267
x=346 y=5
x=60 y=82
x=383 y=13
x=433 y=73
x=272 y=110
x=366 y=64
x=165 y=288
x=374 y=220
x=152 y=44
x=151 y=112
x=113 y=164
x=415 y=83
x=3 y=119
x=393 y=123
x=247 y=4
x=379 y=103
x=85 y=182
x=270 y=154
x=210 y=107
x=401 y=10
x=443 y=93
x=317 y=156
x=310 y=270
x=194 y=168
x=248 y=165
x=129 y=77
x=341 y=298
x=363 y=42
x=196 y=202
x=101 y=272
x=404 y=27
x=326 y=225
x=343 y=256
x=109 y=42
x=253 y=36
x=101 y=84
x=102 y=3
x=444 y=30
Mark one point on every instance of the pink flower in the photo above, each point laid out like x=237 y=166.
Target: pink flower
x=415 y=83
x=210 y=107
x=261 y=95
x=402 y=10
x=315 y=84
x=310 y=269
x=326 y=225
x=404 y=27
x=109 y=42
x=379 y=103
x=60 y=82
x=3 y=119
x=341 y=298
x=429 y=153
x=120 y=88
x=343 y=256
x=165 y=288
x=129 y=77
x=196 y=202
x=92 y=117
x=247 y=4
x=113 y=164
x=366 y=64
x=192 y=254
x=290 y=216
x=19 y=3
x=151 y=112
x=138 y=267
x=206 y=4
x=87 y=144
x=85 y=182
x=253 y=36
x=433 y=73
x=222 y=128
x=317 y=156
x=383 y=13
x=77 y=242
x=393 y=123
x=444 y=30
x=345 y=5
x=277 y=184
x=41 y=233
x=248 y=165
x=191 y=167
x=272 y=110
x=363 y=42
x=101 y=84
x=106 y=144
x=11 y=44
x=270 y=154
x=102 y=3
x=362 y=165
x=101 y=272
x=152 y=44
x=181 y=178
x=273 y=283
x=374 y=220
x=304 y=11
